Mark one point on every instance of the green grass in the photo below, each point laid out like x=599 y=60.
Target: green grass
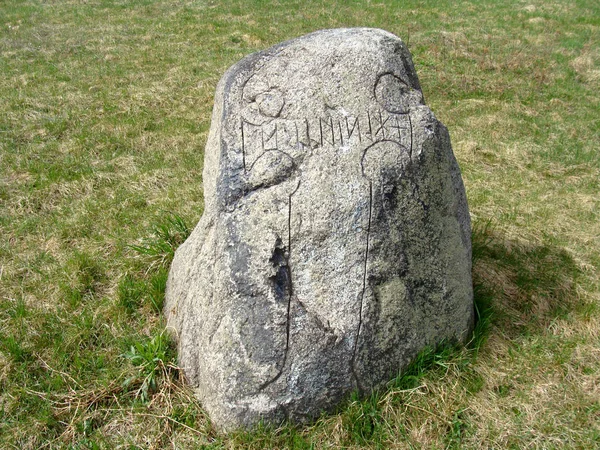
x=104 y=112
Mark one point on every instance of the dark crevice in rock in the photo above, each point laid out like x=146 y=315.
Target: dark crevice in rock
x=250 y=189
x=281 y=280
x=282 y=285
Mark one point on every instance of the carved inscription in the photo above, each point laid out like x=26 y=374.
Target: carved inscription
x=345 y=132
x=360 y=133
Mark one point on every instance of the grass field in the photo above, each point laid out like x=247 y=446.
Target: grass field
x=104 y=113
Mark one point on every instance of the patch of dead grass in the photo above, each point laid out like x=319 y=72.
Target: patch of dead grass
x=587 y=65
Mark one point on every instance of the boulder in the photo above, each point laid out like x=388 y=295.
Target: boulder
x=335 y=241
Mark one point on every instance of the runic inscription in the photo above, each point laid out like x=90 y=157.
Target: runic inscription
x=344 y=132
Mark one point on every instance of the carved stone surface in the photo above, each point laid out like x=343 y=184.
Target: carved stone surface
x=335 y=241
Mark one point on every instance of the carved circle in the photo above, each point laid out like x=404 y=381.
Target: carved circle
x=392 y=93
x=270 y=168
x=383 y=156
x=270 y=103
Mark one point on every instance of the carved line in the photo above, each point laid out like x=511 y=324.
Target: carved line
x=399 y=78
x=364 y=286
x=362 y=160
x=329 y=124
x=269 y=137
x=411 y=136
x=362 y=295
x=320 y=128
x=290 y=294
x=243 y=147
x=398 y=128
x=350 y=133
x=379 y=77
x=332 y=131
x=382 y=124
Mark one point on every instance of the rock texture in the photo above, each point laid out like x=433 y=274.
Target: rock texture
x=335 y=240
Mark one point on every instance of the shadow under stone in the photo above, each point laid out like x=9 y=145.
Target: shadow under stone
x=519 y=287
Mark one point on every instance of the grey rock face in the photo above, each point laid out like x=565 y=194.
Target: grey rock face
x=335 y=241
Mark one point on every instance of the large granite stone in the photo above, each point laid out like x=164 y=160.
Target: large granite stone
x=335 y=240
